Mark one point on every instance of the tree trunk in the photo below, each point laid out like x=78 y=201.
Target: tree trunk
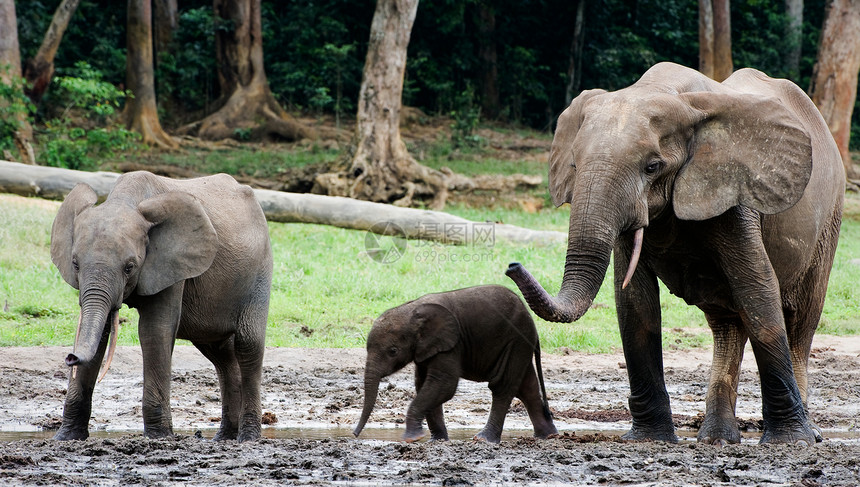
x=834 y=79
x=279 y=206
x=10 y=74
x=706 y=38
x=381 y=169
x=574 y=67
x=40 y=70
x=793 y=34
x=141 y=113
x=487 y=53
x=246 y=102
x=715 y=39
x=165 y=25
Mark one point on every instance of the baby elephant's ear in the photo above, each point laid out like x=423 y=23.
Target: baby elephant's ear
x=182 y=241
x=437 y=330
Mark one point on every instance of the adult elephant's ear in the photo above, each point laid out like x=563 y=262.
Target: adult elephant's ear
x=182 y=241
x=746 y=150
x=437 y=330
x=562 y=167
x=79 y=199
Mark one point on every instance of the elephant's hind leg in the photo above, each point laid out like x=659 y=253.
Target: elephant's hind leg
x=720 y=425
x=249 y=353
x=226 y=365
x=529 y=394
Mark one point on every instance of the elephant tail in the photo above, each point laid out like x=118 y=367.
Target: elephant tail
x=546 y=412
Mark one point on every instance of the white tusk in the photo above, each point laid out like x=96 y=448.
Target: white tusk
x=634 y=258
x=75 y=345
x=114 y=331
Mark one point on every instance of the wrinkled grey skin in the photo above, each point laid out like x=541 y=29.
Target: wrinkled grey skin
x=739 y=188
x=483 y=334
x=194 y=258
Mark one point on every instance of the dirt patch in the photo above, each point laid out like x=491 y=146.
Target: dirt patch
x=313 y=397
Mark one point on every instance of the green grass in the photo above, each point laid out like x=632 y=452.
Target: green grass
x=327 y=290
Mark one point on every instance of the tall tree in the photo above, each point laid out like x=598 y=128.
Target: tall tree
x=166 y=21
x=793 y=36
x=485 y=19
x=574 y=66
x=39 y=70
x=833 y=87
x=10 y=75
x=141 y=112
x=246 y=100
x=381 y=168
x=715 y=39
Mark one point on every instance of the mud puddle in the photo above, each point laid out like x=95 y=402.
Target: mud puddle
x=312 y=399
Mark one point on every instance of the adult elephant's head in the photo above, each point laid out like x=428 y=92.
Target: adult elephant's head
x=123 y=246
x=676 y=143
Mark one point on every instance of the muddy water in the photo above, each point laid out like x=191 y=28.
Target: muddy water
x=313 y=399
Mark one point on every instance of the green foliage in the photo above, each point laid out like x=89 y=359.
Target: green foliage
x=15 y=108
x=82 y=132
x=466 y=117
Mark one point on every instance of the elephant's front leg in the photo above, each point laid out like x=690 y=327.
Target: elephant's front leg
x=79 y=395
x=159 y=321
x=436 y=417
x=639 y=320
x=438 y=387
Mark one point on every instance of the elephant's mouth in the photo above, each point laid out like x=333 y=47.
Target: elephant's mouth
x=73 y=361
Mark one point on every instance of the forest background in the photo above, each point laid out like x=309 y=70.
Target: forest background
x=314 y=56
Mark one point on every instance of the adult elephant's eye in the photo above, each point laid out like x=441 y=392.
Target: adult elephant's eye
x=128 y=268
x=76 y=266
x=653 y=167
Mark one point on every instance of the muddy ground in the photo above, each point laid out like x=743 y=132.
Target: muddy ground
x=312 y=398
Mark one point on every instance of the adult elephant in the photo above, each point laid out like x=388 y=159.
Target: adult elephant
x=731 y=194
x=194 y=258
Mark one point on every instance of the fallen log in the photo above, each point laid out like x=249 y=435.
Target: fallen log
x=278 y=206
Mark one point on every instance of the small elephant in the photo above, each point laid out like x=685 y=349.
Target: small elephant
x=194 y=258
x=730 y=194
x=483 y=334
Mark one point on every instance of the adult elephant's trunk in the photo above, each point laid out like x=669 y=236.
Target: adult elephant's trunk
x=371 y=390
x=590 y=244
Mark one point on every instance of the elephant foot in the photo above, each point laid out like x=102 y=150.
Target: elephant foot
x=71 y=433
x=546 y=432
x=719 y=433
x=803 y=435
x=248 y=436
x=488 y=436
x=413 y=436
x=644 y=434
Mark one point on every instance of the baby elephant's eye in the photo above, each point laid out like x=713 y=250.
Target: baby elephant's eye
x=392 y=352
x=128 y=268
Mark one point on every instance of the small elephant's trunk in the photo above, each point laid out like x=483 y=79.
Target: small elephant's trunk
x=371 y=390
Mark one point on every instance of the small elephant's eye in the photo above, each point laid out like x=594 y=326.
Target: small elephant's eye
x=128 y=268
x=392 y=352
x=653 y=167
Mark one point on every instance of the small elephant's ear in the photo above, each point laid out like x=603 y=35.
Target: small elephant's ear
x=746 y=150
x=79 y=199
x=562 y=170
x=437 y=330
x=182 y=241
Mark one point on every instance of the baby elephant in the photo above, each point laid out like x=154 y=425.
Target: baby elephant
x=482 y=334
